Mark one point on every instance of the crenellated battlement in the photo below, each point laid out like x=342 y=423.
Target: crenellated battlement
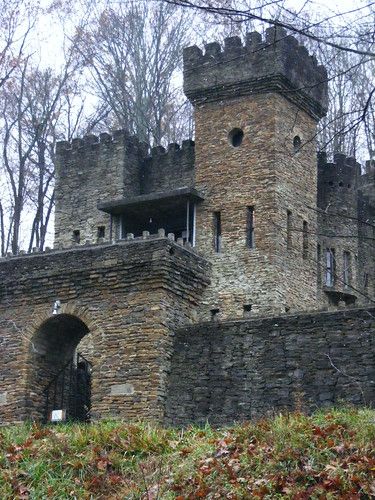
x=277 y=63
x=343 y=172
x=109 y=167
x=90 y=143
x=169 y=169
x=159 y=151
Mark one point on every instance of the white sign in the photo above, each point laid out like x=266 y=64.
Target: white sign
x=58 y=415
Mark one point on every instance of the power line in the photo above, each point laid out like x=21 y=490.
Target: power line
x=278 y=24
x=337 y=214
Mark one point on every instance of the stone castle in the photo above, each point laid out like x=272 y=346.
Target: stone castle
x=216 y=280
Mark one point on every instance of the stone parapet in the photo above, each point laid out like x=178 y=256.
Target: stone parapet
x=128 y=296
x=104 y=140
x=277 y=63
x=343 y=172
x=17 y=272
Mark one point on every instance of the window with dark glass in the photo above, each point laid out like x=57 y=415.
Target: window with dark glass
x=250 y=241
x=346 y=269
x=288 y=229
x=330 y=267
x=305 y=240
x=319 y=264
x=217 y=232
x=101 y=231
x=76 y=236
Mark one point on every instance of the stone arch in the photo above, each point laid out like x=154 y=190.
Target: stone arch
x=52 y=347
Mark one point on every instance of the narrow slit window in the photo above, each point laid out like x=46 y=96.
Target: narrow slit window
x=288 y=230
x=330 y=267
x=250 y=228
x=365 y=281
x=305 y=240
x=319 y=264
x=346 y=269
x=101 y=232
x=217 y=232
x=76 y=236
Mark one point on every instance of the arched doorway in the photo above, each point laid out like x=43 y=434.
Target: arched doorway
x=60 y=378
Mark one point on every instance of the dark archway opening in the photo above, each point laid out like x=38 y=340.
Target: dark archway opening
x=60 y=379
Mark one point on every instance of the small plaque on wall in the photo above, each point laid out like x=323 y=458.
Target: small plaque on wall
x=58 y=416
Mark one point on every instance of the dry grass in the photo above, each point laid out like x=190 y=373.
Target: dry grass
x=327 y=455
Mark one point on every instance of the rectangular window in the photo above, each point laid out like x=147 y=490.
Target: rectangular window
x=319 y=264
x=288 y=229
x=305 y=240
x=101 y=232
x=346 y=269
x=250 y=241
x=365 y=281
x=76 y=236
x=217 y=232
x=330 y=267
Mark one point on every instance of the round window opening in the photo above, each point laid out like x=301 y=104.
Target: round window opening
x=297 y=143
x=235 y=137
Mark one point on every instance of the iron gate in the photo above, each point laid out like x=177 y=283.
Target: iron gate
x=70 y=391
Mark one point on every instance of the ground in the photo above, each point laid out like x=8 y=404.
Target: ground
x=330 y=454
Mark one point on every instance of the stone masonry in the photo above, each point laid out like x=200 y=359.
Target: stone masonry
x=217 y=280
x=128 y=296
x=247 y=368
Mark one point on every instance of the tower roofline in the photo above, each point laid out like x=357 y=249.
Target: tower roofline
x=277 y=63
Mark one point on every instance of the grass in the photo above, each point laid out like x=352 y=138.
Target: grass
x=330 y=454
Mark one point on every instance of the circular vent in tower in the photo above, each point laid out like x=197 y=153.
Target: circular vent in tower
x=297 y=143
x=235 y=137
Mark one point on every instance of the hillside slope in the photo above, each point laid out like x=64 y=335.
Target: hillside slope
x=328 y=455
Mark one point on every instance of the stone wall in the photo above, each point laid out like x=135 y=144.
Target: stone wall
x=276 y=63
x=263 y=173
x=337 y=209
x=107 y=168
x=90 y=170
x=238 y=370
x=366 y=232
x=129 y=296
x=169 y=170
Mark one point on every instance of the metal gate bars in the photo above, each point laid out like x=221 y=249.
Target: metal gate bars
x=68 y=395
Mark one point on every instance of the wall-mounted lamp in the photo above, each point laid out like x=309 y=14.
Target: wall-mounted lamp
x=56 y=307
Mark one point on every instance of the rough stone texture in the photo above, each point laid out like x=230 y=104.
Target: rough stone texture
x=346 y=222
x=262 y=172
x=244 y=369
x=129 y=296
x=276 y=64
x=88 y=171
x=169 y=170
x=94 y=170
x=121 y=304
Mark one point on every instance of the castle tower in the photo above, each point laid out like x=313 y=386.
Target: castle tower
x=256 y=111
x=339 y=231
x=88 y=171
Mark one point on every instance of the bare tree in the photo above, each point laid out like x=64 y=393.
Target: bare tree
x=344 y=41
x=15 y=26
x=35 y=104
x=134 y=54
